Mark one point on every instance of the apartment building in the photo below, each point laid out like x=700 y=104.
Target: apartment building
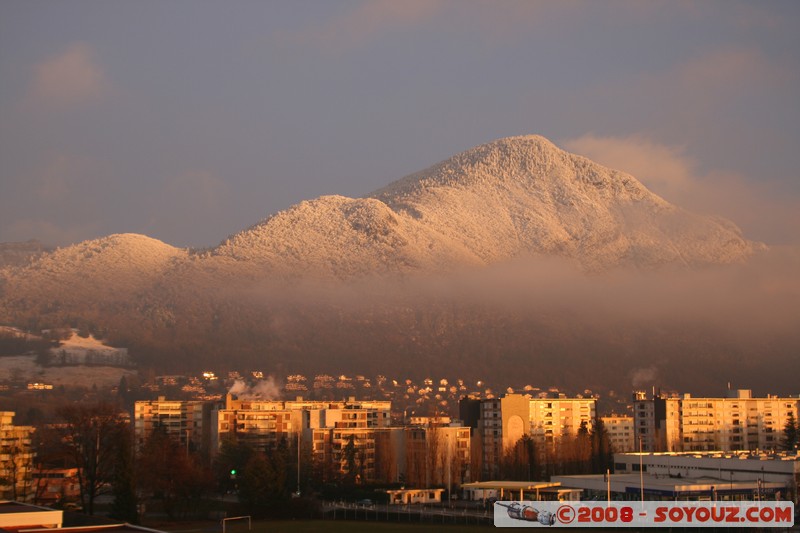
x=185 y=421
x=262 y=423
x=16 y=459
x=657 y=422
x=420 y=456
x=736 y=422
x=552 y=418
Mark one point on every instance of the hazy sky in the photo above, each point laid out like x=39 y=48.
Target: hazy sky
x=189 y=120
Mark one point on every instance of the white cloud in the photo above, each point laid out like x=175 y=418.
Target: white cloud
x=663 y=169
x=762 y=212
x=71 y=77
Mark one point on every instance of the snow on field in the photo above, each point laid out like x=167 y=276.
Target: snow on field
x=24 y=368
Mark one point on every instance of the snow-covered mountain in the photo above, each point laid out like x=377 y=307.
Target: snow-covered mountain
x=256 y=296
x=518 y=196
x=515 y=196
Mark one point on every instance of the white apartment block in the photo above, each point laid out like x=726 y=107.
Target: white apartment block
x=620 y=432
x=657 y=423
x=738 y=422
x=552 y=418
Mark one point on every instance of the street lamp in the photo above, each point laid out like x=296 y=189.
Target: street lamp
x=641 y=471
x=449 y=495
x=297 y=494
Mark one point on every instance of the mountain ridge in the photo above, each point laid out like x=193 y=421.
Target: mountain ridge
x=339 y=280
x=512 y=197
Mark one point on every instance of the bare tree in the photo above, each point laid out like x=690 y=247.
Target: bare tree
x=90 y=436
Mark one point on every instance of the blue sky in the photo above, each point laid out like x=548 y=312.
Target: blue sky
x=191 y=120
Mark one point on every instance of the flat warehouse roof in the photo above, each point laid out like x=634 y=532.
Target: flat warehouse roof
x=511 y=485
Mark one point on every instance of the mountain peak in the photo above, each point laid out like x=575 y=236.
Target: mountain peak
x=523 y=195
x=530 y=161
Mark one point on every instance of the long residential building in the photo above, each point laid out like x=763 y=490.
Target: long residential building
x=685 y=423
x=263 y=422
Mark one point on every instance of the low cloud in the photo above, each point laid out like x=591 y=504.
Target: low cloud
x=672 y=327
x=71 y=77
x=758 y=296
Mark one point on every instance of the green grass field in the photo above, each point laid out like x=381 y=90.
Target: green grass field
x=326 y=526
x=342 y=526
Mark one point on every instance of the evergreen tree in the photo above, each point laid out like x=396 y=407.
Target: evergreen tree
x=602 y=454
x=231 y=461
x=583 y=449
x=349 y=453
x=790 y=432
x=284 y=463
